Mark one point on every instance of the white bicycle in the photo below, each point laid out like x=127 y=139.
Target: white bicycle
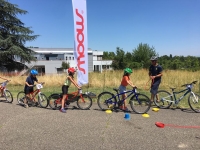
x=164 y=99
x=6 y=93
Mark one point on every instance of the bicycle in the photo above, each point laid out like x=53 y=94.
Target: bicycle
x=7 y=94
x=164 y=99
x=139 y=103
x=42 y=98
x=83 y=101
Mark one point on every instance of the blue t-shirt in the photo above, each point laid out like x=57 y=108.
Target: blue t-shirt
x=155 y=70
x=30 y=80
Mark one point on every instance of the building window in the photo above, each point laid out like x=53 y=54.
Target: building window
x=99 y=58
x=69 y=58
x=72 y=58
x=66 y=58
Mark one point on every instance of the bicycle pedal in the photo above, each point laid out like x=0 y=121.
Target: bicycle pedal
x=111 y=106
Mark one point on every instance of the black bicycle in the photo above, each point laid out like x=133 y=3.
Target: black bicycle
x=139 y=103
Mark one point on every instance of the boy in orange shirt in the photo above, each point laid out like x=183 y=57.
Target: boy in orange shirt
x=122 y=88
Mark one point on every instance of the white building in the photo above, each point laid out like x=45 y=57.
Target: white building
x=49 y=60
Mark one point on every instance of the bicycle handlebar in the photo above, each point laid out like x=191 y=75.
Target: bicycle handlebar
x=36 y=84
x=5 y=81
x=194 y=82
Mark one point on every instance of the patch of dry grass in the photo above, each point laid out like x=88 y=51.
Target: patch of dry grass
x=99 y=82
x=171 y=78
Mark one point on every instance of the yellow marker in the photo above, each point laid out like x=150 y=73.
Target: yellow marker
x=155 y=109
x=145 y=115
x=108 y=111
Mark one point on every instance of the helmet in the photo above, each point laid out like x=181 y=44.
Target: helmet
x=154 y=58
x=34 y=72
x=128 y=70
x=71 y=70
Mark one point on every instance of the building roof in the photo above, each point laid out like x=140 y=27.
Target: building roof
x=56 y=50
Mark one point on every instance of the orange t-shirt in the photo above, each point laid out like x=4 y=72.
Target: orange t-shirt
x=124 y=80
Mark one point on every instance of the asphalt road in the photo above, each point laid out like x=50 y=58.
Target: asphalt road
x=45 y=129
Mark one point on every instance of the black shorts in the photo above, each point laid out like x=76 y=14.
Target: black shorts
x=65 y=89
x=154 y=87
x=28 y=90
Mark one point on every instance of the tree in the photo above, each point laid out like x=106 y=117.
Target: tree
x=143 y=53
x=108 y=55
x=13 y=36
x=65 y=65
x=119 y=61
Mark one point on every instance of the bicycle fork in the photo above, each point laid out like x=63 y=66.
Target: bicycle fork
x=39 y=94
x=195 y=98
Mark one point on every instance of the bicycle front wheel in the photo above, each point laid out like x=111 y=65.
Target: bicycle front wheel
x=84 y=102
x=163 y=99
x=106 y=100
x=140 y=103
x=194 y=102
x=8 y=96
x=52 y=101
x=43 y=100
x=20 y=98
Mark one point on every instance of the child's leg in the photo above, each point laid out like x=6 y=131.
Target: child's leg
x=123 y=97
x=63 y=100
x=25 y=100
x=1 y=88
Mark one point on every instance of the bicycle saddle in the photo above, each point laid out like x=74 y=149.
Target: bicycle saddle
x=173 y=88
x=115 y=89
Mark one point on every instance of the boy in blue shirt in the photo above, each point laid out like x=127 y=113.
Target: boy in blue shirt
x=28 y=88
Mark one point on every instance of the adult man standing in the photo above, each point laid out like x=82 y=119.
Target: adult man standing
x=155 y=73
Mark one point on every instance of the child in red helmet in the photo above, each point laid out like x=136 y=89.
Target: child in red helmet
x=67 y=83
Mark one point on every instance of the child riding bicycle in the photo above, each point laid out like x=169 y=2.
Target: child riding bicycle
x=66 y=85
x=122 y=88
x=1 y=88
x=28 y=88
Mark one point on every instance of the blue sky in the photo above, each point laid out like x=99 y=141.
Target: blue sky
x=170 y=26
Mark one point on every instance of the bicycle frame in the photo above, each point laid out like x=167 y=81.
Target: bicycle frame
x=35 y=92
x=132 y=92
x=72 y=98
x=188 y=90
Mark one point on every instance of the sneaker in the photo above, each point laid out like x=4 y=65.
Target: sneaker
x=26 y=106
x=63 y=110
x=126 y=109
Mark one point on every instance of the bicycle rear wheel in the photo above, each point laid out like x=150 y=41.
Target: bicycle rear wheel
x=106 y=100
x=163 y=99
x=140 y=103
x=194 y=102
x=84 y=102
x=53 y=101
x=43 y=100
x=8 y=96
x=20 y=98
